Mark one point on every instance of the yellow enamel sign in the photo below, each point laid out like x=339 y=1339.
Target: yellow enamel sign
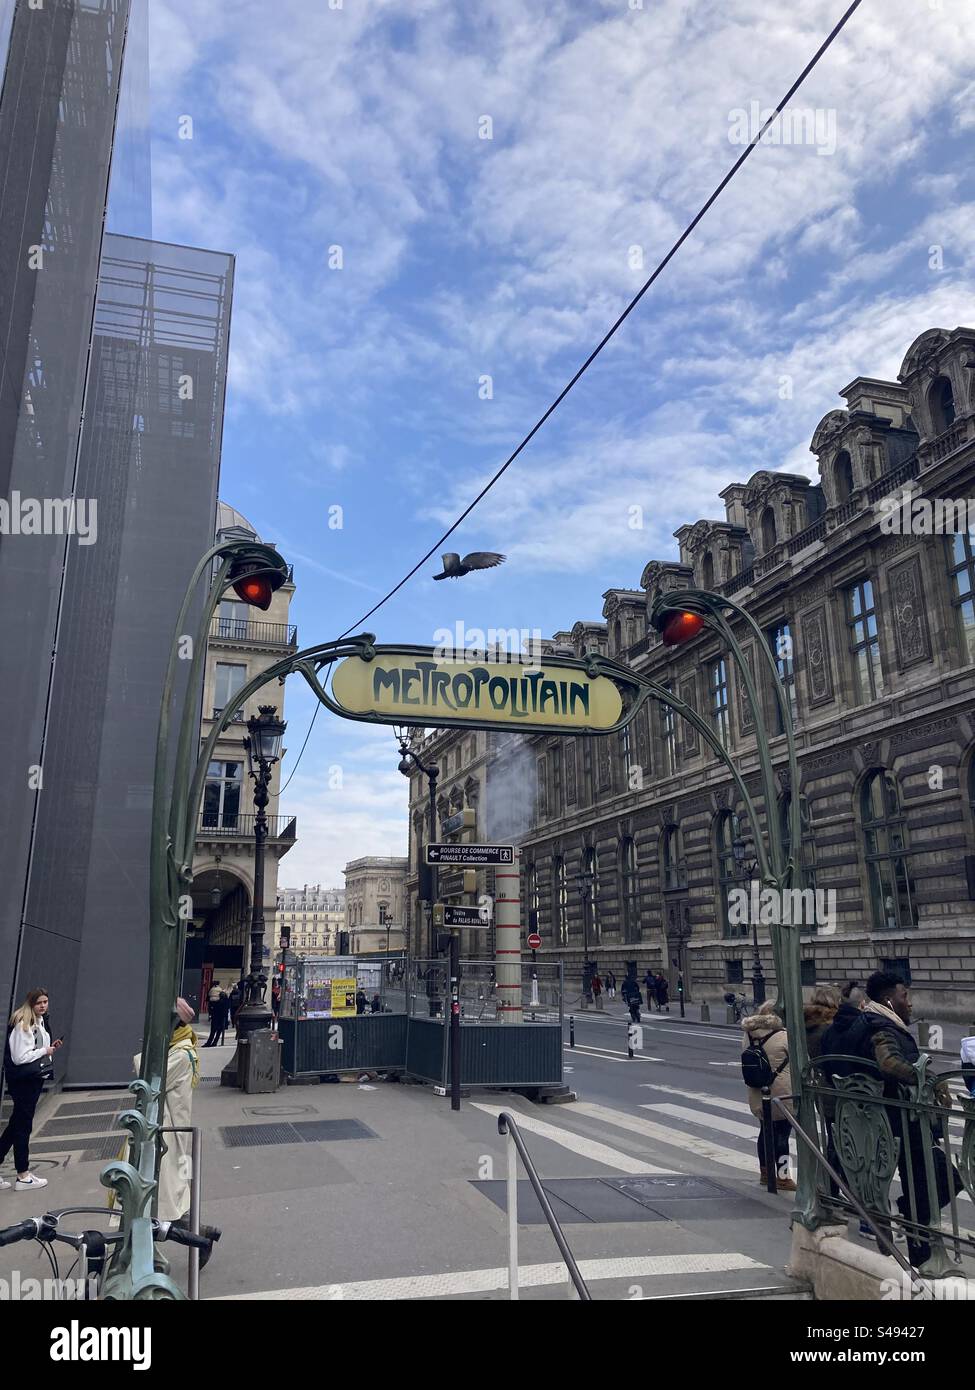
x=413 y=686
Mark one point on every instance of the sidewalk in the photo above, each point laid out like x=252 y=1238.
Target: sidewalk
x=377 y=1190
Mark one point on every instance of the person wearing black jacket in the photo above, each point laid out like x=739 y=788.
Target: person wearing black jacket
x=881 y=1034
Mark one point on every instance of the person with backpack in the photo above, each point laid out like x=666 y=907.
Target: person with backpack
x=765 y=1065
x=634 y=1000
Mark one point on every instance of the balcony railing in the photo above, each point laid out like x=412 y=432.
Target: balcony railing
x=738 y=581
x=948 y=442
x=236 y=718
x=241 y=827
x=257 y=634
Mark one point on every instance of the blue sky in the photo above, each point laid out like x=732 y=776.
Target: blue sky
x=462 y=257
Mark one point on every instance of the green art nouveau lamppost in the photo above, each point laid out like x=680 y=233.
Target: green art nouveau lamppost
x=265 y=733
x=679 y=617
x=253 y=572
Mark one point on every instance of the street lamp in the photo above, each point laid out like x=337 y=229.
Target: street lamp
x=744 y=870
x=263 y=743
x=585 y=882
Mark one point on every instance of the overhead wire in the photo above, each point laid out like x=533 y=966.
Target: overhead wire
x=823 y=48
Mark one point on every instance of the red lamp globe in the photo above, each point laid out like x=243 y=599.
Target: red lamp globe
x=681 y=627
x=255 y=589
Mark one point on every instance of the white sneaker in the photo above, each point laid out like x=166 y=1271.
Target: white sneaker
x=22 y=1184
x=3 y=1183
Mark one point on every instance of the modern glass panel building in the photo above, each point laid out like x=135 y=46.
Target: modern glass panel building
x=114 y=357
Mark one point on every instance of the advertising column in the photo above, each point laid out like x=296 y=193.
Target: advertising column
x=507 y=935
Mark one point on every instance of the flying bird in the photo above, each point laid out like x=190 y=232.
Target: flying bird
x=454 y=566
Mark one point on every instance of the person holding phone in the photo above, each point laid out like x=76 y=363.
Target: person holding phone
x=27 y=1063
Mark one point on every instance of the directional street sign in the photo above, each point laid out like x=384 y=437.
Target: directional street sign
x=461 y=820
x=470 y=854
x=446 y=916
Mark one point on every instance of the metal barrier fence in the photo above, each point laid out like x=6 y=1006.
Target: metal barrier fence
x=880 y=1136
x=428 y=992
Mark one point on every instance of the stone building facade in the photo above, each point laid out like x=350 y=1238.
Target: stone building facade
x=374 y=904
x=312 y=917
x=873 y=628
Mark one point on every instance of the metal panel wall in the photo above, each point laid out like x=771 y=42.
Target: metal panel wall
x=57 y=114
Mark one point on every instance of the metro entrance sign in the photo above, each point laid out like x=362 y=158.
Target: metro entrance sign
x=470 y=854
x=421 y=686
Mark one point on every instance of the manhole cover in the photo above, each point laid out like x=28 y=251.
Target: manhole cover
x=571 y=1199
x=662 y=1189
x=279 y=1110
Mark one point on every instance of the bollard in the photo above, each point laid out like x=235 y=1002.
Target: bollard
x=572 y=1030
x=705 y=1012
x=629 y=1040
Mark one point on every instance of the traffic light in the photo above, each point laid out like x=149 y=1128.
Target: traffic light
x=256 y=573
x=677 y=628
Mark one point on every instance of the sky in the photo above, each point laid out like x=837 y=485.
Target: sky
x=438 y=208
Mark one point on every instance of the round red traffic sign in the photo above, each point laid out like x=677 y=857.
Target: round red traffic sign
x=534 y=941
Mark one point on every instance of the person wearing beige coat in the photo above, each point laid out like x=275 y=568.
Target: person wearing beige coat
x=767 y=1028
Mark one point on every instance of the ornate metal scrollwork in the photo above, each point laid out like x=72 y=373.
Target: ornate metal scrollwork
x=864 y=1139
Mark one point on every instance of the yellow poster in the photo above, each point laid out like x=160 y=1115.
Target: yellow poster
x=343 y=997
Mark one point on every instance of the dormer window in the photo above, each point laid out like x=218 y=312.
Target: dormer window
x=768 y=530
x=843 y=476
x=941 y=400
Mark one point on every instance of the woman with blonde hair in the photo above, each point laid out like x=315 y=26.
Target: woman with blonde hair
x=27 y=1065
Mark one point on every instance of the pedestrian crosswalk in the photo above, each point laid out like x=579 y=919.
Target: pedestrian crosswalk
x=685 y=1131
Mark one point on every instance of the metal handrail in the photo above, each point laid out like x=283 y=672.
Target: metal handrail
x=508 y=1126
x=861 y=1211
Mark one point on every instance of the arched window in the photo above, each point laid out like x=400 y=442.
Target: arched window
x=531 y=894
x=673 y=870
x=727 y=829
x=590 y=865
x=628 y=890
x=617 y=636
x=707 y=571
x=941 y=400
x=560 y=901
x=885 y=849
x=843 y=476
x=768 y=530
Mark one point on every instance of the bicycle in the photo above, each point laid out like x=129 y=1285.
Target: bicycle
x=95 y=1247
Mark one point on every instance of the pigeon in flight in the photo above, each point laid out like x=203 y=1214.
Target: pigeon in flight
x=454 y=566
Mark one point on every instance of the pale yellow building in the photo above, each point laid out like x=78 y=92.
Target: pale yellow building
x=312 y=917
